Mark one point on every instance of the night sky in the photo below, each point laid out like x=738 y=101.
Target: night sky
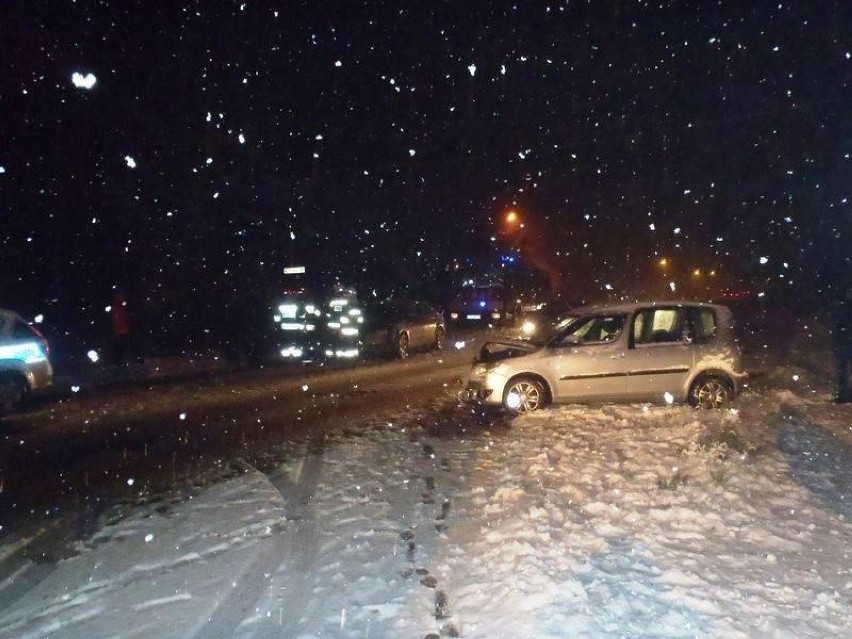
x=380 y=141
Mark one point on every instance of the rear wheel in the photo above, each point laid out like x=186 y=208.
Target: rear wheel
x=440 y=336
x=402 y=344
x=524 y=395
x=711 y=391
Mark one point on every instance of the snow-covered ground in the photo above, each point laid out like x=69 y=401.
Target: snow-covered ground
x=613 y=521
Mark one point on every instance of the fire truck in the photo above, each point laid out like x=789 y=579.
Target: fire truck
x=315 y=320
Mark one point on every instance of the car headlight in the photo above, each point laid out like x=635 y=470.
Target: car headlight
x=528 y=328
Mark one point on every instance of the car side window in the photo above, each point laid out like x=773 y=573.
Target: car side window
x=703 y=324
x=658 y=326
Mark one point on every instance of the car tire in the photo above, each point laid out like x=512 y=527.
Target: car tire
x=524 y=395
x=440 y=336
x=13 y=390
x=711 y=391
x=401 y=345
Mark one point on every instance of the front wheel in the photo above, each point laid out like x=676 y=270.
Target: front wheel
x=524 y=395
x=402 y=346
x=710 y=392
x=440 y=336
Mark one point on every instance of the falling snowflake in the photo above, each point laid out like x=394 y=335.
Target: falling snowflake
x=83 y=81
x=472 y=69
x=130 y=161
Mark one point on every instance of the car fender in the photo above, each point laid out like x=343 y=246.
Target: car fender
x=17 y=367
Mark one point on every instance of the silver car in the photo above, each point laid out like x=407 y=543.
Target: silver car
x=24 y=366
x=656 y=351
x=400 y=326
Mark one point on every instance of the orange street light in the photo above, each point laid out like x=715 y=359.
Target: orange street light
x=511 y=217
x=664 y=262
x=696 y=272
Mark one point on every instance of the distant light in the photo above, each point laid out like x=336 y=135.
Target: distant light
x=460 y=345
x=2 y=170
x=75 y=388
x=696 y=272
x=39 y=318
x=764 y=260
x=130 y=161
x=291 y=351
x=795 y=378
x=182 y=416
x=669 y=398
x=511 y=217
x=338 y=302
x=412 y=152
x=338 y=63
x=608 y=287
x=149 y=538
x=349 y=331
x=83 y=81
x=294 y=270
x=93 y=356
x=482 y=304
x=472 y=69
x=663 y=261
x=672 y=286
x=241 y=138
x=288 y=311
x=131 y=481
x=528 y=328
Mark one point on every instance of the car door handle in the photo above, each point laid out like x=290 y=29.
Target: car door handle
x=617 y=356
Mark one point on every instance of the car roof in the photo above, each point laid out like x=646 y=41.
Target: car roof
x=629 y=307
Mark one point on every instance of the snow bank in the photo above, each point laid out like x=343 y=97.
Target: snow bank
x=574 y=522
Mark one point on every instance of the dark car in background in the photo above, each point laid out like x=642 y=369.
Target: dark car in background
x=400 y=326
x=492 y=303
x=24 y=365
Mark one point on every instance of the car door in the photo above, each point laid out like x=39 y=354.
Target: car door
x=660 y=353
x=429 y=321
x=588 y=361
